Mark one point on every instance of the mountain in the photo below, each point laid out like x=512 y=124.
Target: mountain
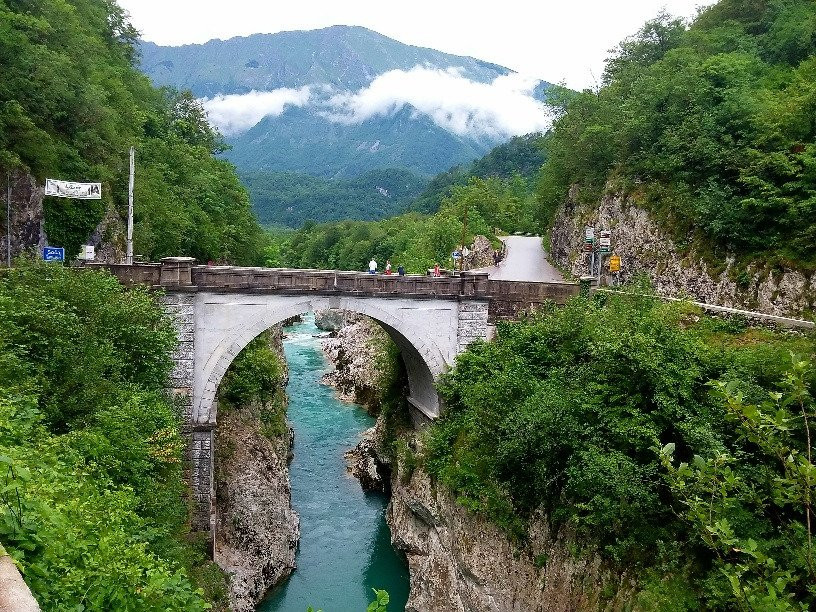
x=346 y=57
x=312 y=102
x=301 y=141
x=521 y=155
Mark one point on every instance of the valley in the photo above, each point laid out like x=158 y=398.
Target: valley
x=581 y=375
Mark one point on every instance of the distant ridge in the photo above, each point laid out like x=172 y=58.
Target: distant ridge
x=348 y=57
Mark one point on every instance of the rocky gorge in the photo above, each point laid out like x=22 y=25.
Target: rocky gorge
x=457 y=559
x=645 y=247
x=257 y=530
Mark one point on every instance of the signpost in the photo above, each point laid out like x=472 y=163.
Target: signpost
x=53 y=254
x=605 y=243
x=589 y=247
x=615 y=263
x=88 y=252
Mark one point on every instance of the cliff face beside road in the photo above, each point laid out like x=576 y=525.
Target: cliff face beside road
x=645 y=248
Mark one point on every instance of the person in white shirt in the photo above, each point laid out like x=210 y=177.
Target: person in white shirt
x=372 y=266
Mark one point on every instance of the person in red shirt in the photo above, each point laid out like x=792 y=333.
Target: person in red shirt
x=436 y=271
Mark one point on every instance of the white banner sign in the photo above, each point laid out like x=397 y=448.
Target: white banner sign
x=68 y=189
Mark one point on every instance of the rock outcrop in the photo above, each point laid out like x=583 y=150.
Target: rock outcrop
x=367 y=463
x=480 y=253
x=333 y=319
x=356 y=352
x=461 y=562
x=257 y=531
x=27 y=230
x=644 y=247
x=28 y=223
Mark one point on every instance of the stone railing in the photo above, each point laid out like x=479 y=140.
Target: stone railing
x=507 y=298
x=178 y=273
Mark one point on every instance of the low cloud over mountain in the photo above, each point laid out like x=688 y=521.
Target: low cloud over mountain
x=493 y=110
x=236 y=113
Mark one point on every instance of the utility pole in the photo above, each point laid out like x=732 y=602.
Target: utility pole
x=129 y=248
x=464 y=235
x=8 y=218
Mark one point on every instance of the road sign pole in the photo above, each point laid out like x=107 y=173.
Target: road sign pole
x=129 y=248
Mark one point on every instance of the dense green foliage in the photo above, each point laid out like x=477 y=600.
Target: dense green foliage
x=712 y=126
x=256 y=381
x=566 y=413
x=90 y=451
x=288 y=198
x=521 y=156
x=71 y=105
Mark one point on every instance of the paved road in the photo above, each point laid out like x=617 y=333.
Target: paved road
x=526 y=260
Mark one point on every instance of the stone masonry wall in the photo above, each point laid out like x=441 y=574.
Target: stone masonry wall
x=472 y=323
x=200 y=439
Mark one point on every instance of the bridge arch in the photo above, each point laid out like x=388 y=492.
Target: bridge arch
x=226 y=326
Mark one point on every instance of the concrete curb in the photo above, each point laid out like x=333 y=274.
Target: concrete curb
x=15 y=596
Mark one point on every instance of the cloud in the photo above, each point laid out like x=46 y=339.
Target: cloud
x=494 y=111
x=237 y=113
x=505 y=107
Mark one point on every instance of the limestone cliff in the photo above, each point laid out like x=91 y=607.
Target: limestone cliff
x=356 y=352
x=28 y=223
x=644 y=247
x=461 y=562
x=257 y=530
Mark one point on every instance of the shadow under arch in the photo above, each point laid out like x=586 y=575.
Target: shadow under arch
x=423 y=361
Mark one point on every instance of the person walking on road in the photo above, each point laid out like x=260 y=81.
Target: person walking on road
x=372 y=266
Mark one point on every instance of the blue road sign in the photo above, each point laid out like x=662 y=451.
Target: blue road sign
x=53 y=254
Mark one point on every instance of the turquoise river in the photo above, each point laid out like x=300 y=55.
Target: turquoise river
x=345 y=548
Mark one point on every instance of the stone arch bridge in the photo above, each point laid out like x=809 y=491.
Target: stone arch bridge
x=218 y=310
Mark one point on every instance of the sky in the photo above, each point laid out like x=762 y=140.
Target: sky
x=561 y=42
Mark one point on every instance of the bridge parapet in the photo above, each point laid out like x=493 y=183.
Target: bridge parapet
x=510 y=298
x=180 y=273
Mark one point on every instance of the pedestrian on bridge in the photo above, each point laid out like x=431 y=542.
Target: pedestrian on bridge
x=372 y=266
x=401 y=270
x=388 y=266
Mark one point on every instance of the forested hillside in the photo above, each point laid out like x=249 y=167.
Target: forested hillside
x=712 y=127
x=290 y=198
x=521 y=156
x=498 y=191
x=71 y=105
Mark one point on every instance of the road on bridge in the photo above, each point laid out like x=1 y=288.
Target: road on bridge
x=525 y=260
